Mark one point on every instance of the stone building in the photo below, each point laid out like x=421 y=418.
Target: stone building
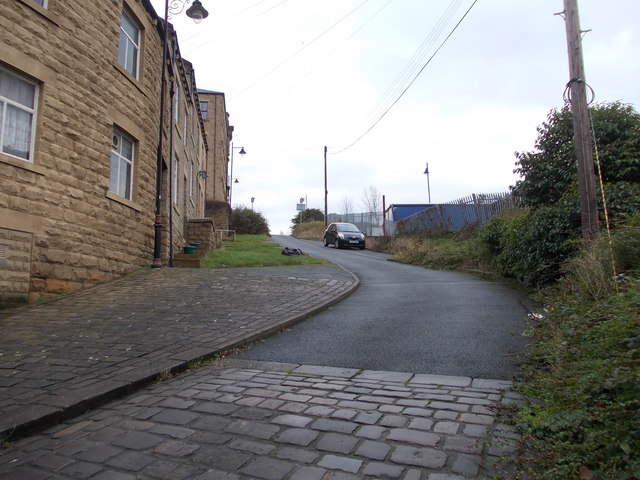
x=80 y=90
x=219 y=134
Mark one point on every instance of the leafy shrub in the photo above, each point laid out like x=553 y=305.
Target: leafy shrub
x=308 y=215
x=626 y=245
x=531 y=246
x=247 y=221
x=549 y=171
x=623 y=199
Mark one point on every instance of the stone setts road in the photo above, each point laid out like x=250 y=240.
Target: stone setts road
x=240 y=419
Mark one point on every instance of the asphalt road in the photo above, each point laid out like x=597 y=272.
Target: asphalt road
x=407 y=319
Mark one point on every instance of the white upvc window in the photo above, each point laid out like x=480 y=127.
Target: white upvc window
x=176 y=104
x=204 y=110
x=121 y=175
x=18 y=100
x=129 y=48
x=185 y=128
x=42 y=3
x=175 y=183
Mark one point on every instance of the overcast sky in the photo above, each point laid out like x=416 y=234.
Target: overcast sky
x=302 y=74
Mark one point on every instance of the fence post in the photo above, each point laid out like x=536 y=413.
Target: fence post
x=442 y=222
x=476 y=208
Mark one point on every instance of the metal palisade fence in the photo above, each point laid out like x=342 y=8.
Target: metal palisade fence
x=454 y=216
x=369 y=223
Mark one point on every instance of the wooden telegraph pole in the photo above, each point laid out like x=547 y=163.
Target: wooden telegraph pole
x=577 y=93
x=326 y=192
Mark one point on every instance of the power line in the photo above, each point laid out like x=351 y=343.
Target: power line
x=297 y=52
x=309 y=72
x=410 y=83
x=416 y=60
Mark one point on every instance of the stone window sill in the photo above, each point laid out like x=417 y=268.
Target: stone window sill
x=124 y=201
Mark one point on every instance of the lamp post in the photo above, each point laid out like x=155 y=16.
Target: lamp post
x=231 y=180
x=197 y=12
x=253 y=199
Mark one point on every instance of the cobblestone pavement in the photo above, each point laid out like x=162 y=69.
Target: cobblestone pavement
x=238 y=419
x=61 y=358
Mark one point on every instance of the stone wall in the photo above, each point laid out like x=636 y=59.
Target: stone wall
x=220 y=213
x=15 y=258
x=219 y=134
x=203 y=231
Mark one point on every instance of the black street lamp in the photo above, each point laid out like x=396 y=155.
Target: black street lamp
x=197 y=12
x=231 y=181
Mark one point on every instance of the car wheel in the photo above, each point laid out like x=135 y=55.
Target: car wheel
x=361 y=248
x=336 y=244
x=326 y=244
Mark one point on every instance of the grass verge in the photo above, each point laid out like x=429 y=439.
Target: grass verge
x=584 y=375
x=463 y=251
x=254 y=251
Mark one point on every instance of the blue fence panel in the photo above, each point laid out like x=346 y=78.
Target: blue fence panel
x=457 y=215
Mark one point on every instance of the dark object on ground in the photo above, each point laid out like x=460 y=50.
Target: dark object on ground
x=292 y=251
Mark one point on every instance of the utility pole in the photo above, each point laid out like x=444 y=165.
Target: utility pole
x=577 y=94
x=326 y=192
x=426 y=172
x=384 y=216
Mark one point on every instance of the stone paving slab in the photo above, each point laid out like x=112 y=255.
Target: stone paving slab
x=61 y=358
x=239 y=419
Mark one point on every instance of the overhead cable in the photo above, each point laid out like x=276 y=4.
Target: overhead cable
x=416 y=60
x=410 y=83
x=309 y=72
x=297 y=52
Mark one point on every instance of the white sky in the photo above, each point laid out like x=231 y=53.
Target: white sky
x=302 y=74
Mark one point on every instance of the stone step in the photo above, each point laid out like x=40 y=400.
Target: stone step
x=188 y=260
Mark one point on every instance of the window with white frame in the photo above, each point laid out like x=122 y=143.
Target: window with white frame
x=174 y=183
x=42 y=3
x=184 y=128
x=191 y=179
x=176 y=104
x=121 y=175
x=129 y=48
x=18 y=100
x=204 y=110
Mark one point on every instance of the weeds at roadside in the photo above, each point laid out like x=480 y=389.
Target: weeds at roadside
x=584 y=374
x=164 y=375
x=463 y=251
